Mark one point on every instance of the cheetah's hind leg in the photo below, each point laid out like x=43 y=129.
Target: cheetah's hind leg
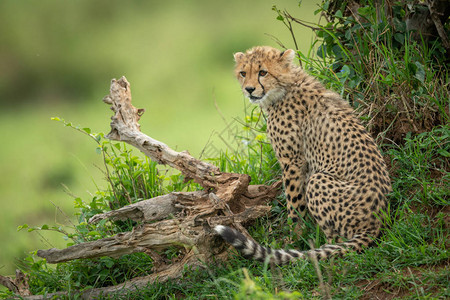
x=343 y=210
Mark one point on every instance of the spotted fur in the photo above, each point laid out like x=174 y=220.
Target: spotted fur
x=332 y=167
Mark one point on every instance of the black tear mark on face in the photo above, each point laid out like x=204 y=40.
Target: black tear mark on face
x=262 y=86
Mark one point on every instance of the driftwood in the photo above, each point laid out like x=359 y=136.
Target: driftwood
x=179 y=219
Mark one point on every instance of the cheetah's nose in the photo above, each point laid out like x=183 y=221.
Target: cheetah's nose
x=250 y=89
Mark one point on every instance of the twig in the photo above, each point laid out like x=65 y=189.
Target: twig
x=301 y=22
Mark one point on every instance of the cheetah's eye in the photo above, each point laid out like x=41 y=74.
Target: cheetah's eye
x=242 y=73
x=262 y=73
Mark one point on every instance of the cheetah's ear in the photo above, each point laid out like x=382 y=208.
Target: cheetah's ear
x=287 y=56
x=238 y=56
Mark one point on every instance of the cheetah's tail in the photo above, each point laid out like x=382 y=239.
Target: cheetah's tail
x=252 y=250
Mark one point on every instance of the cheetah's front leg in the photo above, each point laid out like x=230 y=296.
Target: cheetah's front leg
x=294 y=179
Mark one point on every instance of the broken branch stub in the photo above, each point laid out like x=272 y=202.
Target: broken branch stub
x=178 y=219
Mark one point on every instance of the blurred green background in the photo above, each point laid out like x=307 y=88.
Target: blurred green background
x=57 y=59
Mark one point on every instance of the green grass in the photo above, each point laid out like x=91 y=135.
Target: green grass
x=424 y=159
x=411 y=259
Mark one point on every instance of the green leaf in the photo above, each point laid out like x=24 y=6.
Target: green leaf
x=24 y=226
x=87 y=130
x=55 y=119
x=399 y=37
x=349 y=20
x=365 y=11
x=337 y=51
x=348 y=34
x=399 y=25
x=339 y=14
x=345 y=71
x=322 y=51
x=420 y=72
x=108 y=263
x=388 y=79
x=443 y=152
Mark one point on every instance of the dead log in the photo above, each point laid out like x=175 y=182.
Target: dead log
x=179 y=219
x=188 y=232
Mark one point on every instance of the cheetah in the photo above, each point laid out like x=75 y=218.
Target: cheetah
x=331 y=166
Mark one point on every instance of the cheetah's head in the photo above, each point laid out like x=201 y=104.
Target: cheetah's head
x=261 y=72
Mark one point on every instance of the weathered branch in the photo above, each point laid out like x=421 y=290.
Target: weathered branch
x=158 y=236
x=124 y=127
x=179 y=219
x=154 y=209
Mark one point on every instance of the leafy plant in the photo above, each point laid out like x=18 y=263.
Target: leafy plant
x=397 y=83
x=131 y=179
